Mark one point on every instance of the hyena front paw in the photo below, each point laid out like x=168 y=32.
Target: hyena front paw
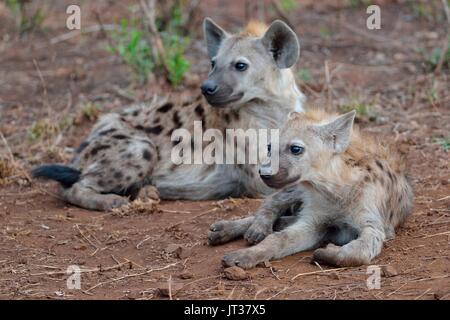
x=148 y=193
x=113 y=201
x=221 y=232
x=242 y=258
x=257 y=232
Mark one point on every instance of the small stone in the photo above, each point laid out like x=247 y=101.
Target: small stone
x=163 y=290
x=388 y=271
x=235 y=273
x=79 y=247
x=172 y=248
x=182 y=252
x=185 y=275
x=334 y=276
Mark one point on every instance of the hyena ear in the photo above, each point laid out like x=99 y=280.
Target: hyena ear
x=282 y=44
x=214 y=35
x=338 y=132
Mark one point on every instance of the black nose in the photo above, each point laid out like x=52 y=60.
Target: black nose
x=209 y=87
x=264 y=176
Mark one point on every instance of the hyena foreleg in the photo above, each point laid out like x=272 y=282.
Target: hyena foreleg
x=302 y=235
x=270 y=212
x=228 y=230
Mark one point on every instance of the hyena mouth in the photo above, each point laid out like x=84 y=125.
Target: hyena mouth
x=222 y=101
x=278 y=180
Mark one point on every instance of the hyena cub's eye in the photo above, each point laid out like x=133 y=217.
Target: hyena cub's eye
x=213 y=64
x=269 y=150
x=241 y=66
x=295 y=149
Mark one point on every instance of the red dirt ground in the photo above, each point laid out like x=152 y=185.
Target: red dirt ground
x=132 y=256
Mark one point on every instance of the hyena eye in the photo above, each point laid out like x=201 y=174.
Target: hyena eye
x=213 y=64
x=295 y=149
x=269 y=149
x=241 y=66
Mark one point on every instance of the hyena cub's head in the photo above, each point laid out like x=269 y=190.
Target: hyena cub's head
x=244 y=66
x=308 y=142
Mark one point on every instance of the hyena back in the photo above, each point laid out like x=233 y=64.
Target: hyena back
x=350 y=192
x=250 y=85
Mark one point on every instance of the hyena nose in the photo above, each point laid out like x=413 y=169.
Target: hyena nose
x=209 y=87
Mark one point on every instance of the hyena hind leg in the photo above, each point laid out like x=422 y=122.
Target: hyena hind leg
x=355 y=253
x=228 y=230
x=88 y=198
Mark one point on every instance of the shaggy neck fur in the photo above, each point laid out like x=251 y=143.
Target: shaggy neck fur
x=282 y=97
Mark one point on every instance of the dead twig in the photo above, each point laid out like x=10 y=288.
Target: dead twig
x=317 y=272
x=130 y=276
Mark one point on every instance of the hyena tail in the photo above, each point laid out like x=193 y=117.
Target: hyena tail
x=65 y=175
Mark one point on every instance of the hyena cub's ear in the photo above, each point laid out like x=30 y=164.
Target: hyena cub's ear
x=337 y=133
x=214 y=35
x=282 y=44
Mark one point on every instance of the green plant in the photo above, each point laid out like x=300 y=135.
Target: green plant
x=432 y=58
x=24 y=21
x=288 y=5
x=422 y=10
x=177 y=64
x=130 y=44
x=325 y=33
x=42 y=129
x=444 y=143
x=362 y=109
x=304 y=75
x=357 y=3
x=175 y=45
x=90 y=110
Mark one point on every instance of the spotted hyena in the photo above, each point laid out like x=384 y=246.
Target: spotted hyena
x=250 y=85
x=345 y=188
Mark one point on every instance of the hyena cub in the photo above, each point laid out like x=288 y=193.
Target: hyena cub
x=250 y=85
x=349 y=191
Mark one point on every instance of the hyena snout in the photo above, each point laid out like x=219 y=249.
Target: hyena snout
x=209 y=87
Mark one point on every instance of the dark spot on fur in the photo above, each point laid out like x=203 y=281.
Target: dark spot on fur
x=123 y=119
x=227 y=117
x=101 y=183
x=169 y=134
x=105 y=132
x=369 y=169
x=120 y=136
x=129 y=155
x=379 y=164
x=104 y=161
x=165 y=108
x=128 y=178
x=185 y=104
x=135 y=113
x=154 y=130
x=118 y=175
x=139 y=127
x=157 y=120
x=176 y=119
x=95 y=150
x=147 y=155
x=199 y=110
x=141 y=174
x=236 y=115
x=82 y=146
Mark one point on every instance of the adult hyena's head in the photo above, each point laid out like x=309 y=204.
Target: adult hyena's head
x=248 y=66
